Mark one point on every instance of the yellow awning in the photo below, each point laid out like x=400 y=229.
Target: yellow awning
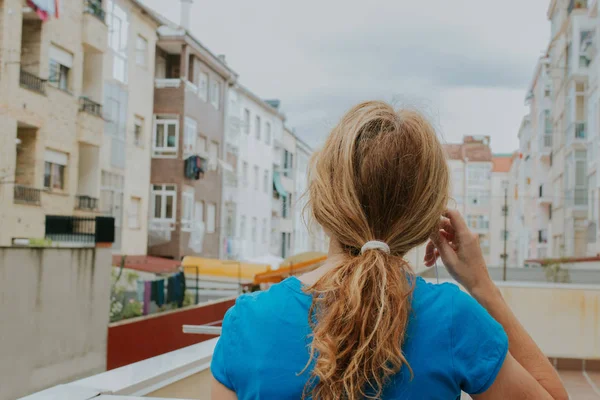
x=294 y=265
x=222 y=268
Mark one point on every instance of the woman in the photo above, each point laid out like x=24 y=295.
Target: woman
x=362 y=325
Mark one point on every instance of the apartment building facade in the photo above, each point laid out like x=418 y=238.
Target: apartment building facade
x=500 y=212
x=53 y=141
x=124 y=157
x=188 y=130
x=248 y=185
x=470 y=165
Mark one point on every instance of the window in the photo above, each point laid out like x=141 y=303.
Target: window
x=202 y=145
x=256 y=177
x=138 y=131
x=245 y=173
x=134 y=214
x=257 y=127
x=61 y=62
x=478 y=222
x=203 y=85
x=213 y=155
x=266 y=181
x=504 y=234
x=115 y=113
x=164 y=205
x=253 y=232
x=141 y=51
x=215 y=93
x=187 y=215
x=478 y=175
x=264 y=230
x=547 y=90
x=287 y=163
x=211 y=216
x=547 y=122
x=166 y=135
x=550 y=211
x=189 y=137
x=54 y=169
x=243 y=227
x=117 y=20
x=478 y=197
x=199 y=211
x=504 y=211
x=268 y=133
x=246 y=121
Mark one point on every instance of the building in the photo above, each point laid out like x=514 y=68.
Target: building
x=470 y=165
x=123 y=161
x=58 y=134
x=569 y=60
x=303 y=229
x=248 y=185
x=282 y=220
x=188 y=130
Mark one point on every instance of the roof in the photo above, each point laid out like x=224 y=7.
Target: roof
x=501 y=162
x=471 y=149
x=148 y=11
x=155 y=265
x=264 y=103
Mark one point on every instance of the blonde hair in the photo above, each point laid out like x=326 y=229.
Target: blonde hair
x=381 y=175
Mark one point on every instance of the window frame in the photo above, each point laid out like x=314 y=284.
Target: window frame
x=211 y=223
x=165 y=151
x=257 y=126
x=164 y=193
x=268 y=133
x=134 y=214
x=188 y=206
x=138 y=136
x=190 y=135
x=141 y=52
x=215 y=93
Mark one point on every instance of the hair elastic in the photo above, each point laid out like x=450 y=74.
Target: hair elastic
x=375 y=245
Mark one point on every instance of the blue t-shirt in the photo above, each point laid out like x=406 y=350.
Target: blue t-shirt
x=451 y=344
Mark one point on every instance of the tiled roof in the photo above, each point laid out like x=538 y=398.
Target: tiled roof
x=474 y=151
x=156 y=265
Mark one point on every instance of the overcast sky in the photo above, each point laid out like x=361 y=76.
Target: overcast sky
x=466 y=63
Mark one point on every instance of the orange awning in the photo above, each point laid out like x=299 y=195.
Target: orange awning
x=294 y=265
x=222 y=268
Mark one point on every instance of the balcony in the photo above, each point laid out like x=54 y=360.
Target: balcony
x=563 y=309
x=89 y=106
x=577 y=197
x=32 y=82
x=545 y=146
x=95 y=31
x=90 y=124
x=80 y=231
x=27 y=195
x=577 y=5
x=544 y=195
x=86 y=203
x=163 y=83
x=576 y=134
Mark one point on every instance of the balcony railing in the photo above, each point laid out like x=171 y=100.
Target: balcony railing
x=30 y=81
x=27 y=195
x=161 y=83
x=86 y=203
x=89 y=106
x=81 y=230
x=576 y=4
x=546 y=141
x=94 y=7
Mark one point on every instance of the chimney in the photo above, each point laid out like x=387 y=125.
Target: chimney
x=222 y=58
x=186 y=9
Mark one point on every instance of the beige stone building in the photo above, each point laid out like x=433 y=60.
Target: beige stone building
x=72 y=139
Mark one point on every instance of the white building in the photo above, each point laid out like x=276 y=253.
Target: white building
x=283 y=202
x=500 y=212
x=301 y=219
x=254 y=126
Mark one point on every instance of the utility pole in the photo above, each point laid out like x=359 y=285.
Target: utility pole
x=505 y=212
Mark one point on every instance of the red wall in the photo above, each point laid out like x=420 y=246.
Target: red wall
x=137 y=340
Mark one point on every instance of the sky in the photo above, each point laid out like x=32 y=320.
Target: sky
x=466 y=64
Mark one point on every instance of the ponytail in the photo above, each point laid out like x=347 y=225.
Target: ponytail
x=359 y=316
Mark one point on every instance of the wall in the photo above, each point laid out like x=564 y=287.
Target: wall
x=145 y=337
x=54 y=315
x=197 y=386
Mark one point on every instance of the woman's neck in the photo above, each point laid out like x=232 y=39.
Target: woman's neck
x=334 y=255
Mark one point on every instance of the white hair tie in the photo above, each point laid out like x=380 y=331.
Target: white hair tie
x=375 y=245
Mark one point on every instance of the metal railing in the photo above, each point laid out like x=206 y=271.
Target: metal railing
x=32 y=82
x=27 y=195
x=86 y=203
x=83 y=230
x=547 y=141
x=161 y=83
x=89 y=106
x=94 y=7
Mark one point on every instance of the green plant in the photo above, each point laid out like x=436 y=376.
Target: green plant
x=555 y=272
x=188 y=299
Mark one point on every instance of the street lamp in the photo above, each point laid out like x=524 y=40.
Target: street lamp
x=505 y=212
